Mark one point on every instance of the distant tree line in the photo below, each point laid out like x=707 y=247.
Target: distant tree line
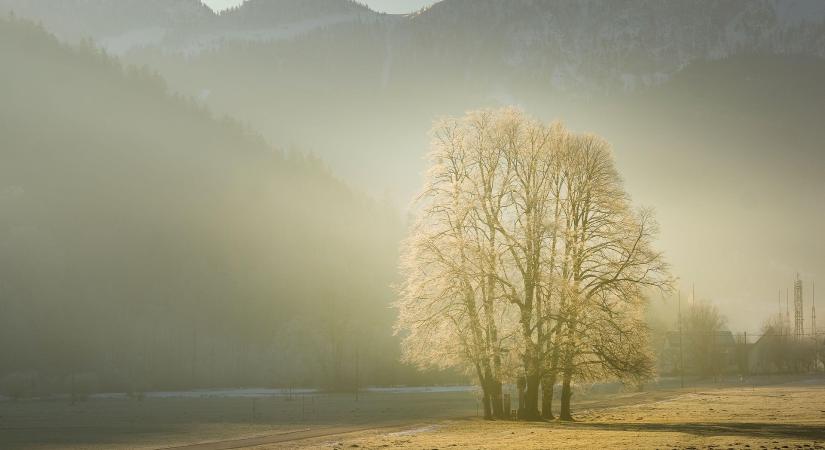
x=703 y=347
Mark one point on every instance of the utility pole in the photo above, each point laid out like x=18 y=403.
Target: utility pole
x=779 y=302
x=747 y=355
x=813 y=310
x=714 y=363
x=356 y=371
x=681 y=345
x=194 y=360
x=813 y=326
x=798 y=309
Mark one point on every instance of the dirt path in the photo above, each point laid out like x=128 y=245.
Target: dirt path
x=283 y=437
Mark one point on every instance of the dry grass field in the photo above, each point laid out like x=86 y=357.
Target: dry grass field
x=772 y=417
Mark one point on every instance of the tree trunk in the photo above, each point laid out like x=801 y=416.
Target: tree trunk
x=566 y=394
x=549 y=381
x=547 y=385
x=497 y=400
x=567 y=376
x=529 y=410
x=492 y=390
x=485 y=400
x=491 y=393
x=531 y=398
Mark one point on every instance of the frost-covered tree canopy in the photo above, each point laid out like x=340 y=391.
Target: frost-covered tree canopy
x=527 y=260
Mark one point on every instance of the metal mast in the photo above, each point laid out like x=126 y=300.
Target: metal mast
x=799 y=313
x=813 y=310
x=787 y=323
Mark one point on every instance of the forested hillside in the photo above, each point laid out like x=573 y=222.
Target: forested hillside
x=147 y=245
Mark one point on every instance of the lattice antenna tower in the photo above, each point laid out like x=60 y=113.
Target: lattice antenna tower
x=799 y=313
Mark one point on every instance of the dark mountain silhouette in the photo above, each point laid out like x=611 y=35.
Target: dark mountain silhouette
x=150 y=245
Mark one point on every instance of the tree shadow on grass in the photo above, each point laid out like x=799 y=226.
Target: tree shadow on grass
x=747 y=429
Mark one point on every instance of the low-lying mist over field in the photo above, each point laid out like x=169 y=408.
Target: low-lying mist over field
x=532 y=197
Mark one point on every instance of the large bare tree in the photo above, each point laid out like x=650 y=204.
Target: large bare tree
x=609 y=259
x=449 y=315
x=526 y=261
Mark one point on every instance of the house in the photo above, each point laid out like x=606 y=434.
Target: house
x=763 y=355
x=700 y=353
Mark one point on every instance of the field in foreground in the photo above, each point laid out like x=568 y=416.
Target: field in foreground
x=774 y=417
x=769 y=413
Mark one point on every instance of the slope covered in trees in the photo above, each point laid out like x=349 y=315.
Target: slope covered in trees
x=148 y=245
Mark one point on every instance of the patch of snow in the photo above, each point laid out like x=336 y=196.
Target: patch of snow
x=420 y=389
x=414 y=431
x=271 y=392
x=213 y=393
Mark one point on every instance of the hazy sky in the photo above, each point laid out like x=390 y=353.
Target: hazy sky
x=387 y=6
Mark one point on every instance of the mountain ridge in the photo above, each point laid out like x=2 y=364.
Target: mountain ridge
x=623 y=44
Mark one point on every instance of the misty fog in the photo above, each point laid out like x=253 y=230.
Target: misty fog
x=222 y=194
